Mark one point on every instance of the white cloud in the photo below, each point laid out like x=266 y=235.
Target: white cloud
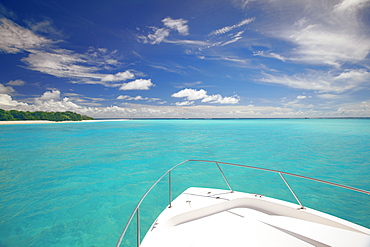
x=45 y=57
x=296 y=105
x=190 y=94
x=212 y=98
x=193 y=94
x=229 y=28
x=16 y=39
x=324 y=82
x=67 y=64
x=84 y=100
x=57 y=105
x=187 y=84
x=139 y=97
x=185 y=109
x=124 y=97
x=120 y=76
x=138 y=84
x=184 y=103
x=350 y=5
x=6 y=90
x=16 y=83
x=329 y=96
x=44 y=27
x=330 y=32
x=177 y=24
x=50 y=95
x=6 y=101
x=217 y=98
x=355 y=109
x=301 y=96
x=102 y=57
x=188 y=42
x=227 y=100
x=241 y=62
x=49 y=101
x=270 y=55
x=320 y=46
x=217 y=37
x=160 y=34
x=62 y=63
x=234 y=39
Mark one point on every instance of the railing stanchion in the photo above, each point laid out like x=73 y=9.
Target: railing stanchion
x=170 y=188
x=227 y=182
x=136 y=210
x=138 y=226
x=291 y=190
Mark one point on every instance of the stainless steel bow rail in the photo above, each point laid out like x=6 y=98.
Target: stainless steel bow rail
x=137 y=208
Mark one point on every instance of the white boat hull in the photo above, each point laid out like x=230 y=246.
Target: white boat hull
x=213 y=217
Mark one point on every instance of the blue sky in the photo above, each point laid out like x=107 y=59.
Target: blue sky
x=195 y=58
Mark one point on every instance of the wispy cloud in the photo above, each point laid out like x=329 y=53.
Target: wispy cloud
x=222 y=37
x=230 y=28
x=17 y=39
x=323 y=82
x=44 y=56
x=138 y=97
x=160 y=34
x=213 y=39
x=82 y=68
x=241 y=62
x=85 y=100
x=319 y=46
x=233 y=39
x=269 y=54
x=188 y=42
x=350 y=5
x=7 y=12
x=355 y=109
x=329 y=96
x=16 y=83
x=327 y=33
x=45 y=27
x=187 y=84
x=61 y=63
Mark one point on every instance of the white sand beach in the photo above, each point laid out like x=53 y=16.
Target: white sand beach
x=52 y=122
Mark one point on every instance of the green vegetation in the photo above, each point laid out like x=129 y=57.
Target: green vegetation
x=14 y=115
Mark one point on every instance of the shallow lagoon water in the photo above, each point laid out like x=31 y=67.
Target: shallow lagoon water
x=76 y=184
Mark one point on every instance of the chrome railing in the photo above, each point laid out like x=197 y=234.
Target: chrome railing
x=137 y=208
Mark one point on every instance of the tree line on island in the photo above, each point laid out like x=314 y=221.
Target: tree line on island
x=14 y=115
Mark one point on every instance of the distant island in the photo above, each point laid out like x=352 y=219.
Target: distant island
x=14 y=115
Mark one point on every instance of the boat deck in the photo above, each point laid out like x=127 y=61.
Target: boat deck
x=212 y=217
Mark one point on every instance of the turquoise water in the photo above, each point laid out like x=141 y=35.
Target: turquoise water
x=75 y=184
